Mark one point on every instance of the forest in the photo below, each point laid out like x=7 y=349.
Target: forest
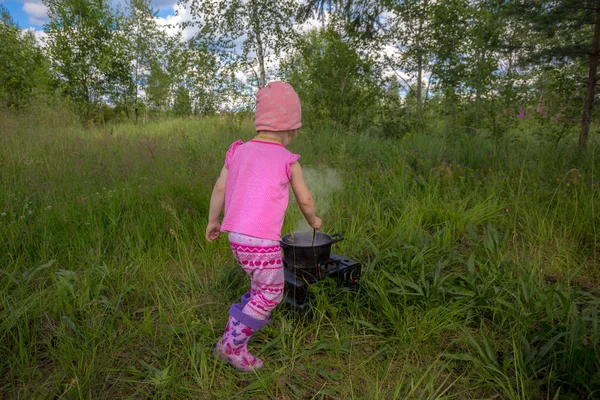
x=385 y=66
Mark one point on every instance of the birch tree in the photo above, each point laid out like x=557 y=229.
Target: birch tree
x=87 y=50
x=409 y=32
x=145 y=44
x=24 y=69
x=245 y=32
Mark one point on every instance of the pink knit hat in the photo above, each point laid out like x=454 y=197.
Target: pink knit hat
x=277 y=108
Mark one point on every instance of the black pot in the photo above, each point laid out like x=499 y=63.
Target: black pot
x=299 y=252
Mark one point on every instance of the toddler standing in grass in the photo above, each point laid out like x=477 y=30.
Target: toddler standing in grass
x=253 y=187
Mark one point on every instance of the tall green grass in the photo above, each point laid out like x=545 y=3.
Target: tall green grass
x=480 y=267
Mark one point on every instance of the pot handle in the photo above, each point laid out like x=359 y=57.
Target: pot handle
x=336 y=237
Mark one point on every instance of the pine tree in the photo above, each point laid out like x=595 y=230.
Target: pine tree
x=564 y=31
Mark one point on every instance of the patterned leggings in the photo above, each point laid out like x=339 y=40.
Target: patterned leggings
x=262 y=261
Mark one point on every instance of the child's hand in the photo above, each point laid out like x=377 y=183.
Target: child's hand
x=316 y=224
x=213 y=231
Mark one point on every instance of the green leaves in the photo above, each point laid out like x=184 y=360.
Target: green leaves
x=24 y=73
x=30 y=274
x=261 y=26
x=334 y=81
x=87 y=51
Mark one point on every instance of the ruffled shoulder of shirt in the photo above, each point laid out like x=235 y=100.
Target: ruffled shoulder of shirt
x=231 y=152
x=288 y=165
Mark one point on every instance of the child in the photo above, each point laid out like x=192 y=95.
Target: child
x=253 y=187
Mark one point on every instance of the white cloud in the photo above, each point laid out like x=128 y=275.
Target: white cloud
x=313 y=23
x=170 y=23
x=40 y=36
x=241 y=76
x=36 y=11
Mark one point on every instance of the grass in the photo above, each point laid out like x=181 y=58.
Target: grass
x=480 y=267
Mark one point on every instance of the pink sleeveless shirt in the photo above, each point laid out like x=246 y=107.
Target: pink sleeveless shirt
x=257 y=191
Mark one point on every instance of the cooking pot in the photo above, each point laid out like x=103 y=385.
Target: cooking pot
x=299 y=252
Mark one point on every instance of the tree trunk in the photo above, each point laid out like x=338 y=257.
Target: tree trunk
x=420 y=65
x=137 y=92
x=259 y=47
x=419 y=89
x=591 y=86
x=261 y=61
x=478 y=88
x=427 y=88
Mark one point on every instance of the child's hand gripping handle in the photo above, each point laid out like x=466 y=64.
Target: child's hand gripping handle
x=316 y=223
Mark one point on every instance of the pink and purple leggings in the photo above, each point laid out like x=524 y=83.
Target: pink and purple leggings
x=262 y=261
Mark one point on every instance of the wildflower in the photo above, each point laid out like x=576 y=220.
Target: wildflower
x=48 y=207
x=3 y=214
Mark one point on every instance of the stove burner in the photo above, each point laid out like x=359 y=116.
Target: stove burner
x=344 y=271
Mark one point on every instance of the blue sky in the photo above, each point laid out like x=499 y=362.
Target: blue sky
x=17 y=13
x=32 y=13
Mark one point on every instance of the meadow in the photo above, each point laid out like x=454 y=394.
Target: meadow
x=480 y=266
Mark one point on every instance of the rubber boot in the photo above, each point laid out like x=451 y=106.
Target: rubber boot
x=246 y=299
x=233 y=346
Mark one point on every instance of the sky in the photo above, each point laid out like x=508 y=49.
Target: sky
x=32 y=13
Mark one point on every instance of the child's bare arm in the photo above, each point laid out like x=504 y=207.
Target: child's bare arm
x=304 y=197
x=213 y=229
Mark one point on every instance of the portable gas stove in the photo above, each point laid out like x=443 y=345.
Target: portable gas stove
x=344 y=271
